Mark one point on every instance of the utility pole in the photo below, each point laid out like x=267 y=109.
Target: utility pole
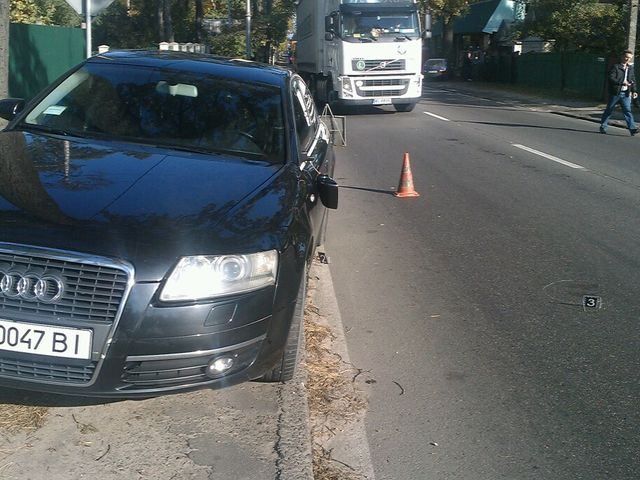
x=88 y=23
x=249 y=54
x=633 y=25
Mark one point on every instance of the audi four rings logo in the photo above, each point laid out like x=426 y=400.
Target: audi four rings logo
x=31 y=286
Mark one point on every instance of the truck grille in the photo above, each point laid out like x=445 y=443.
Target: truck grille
x=91 y=292
x=47 y=371
x=366 y=90
x=380 y=65
x=384 y=82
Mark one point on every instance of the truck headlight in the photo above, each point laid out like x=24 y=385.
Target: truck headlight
x=207 y=276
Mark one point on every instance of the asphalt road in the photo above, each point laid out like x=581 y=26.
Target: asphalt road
x=465 y=305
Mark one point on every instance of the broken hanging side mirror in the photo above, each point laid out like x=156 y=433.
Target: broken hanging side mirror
x=328 y=190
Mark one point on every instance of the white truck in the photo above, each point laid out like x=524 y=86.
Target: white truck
x=360 y=52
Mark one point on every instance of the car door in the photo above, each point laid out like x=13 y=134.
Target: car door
x=315 y=151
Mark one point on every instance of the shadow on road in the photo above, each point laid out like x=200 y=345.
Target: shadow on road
x=348 y=187
x=522 y=125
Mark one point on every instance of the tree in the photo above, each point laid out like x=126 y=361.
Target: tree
x=144 y=23
x=579 y=25
x=447 y=11
x=45 y=12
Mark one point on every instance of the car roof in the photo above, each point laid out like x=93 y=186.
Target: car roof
x=232 y=68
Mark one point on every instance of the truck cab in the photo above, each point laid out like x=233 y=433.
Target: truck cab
x=356 y=53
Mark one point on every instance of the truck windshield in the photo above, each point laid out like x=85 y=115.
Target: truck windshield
x=371 y=26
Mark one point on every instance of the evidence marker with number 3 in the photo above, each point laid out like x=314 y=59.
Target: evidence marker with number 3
x=591 y=302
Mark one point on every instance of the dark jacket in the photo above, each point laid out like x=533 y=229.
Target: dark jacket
x=616 y=77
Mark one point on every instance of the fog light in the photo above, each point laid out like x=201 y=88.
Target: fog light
x=359 y=83
x=218 y=366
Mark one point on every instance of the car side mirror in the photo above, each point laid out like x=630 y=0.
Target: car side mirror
x=328 y=190
x=10 y=107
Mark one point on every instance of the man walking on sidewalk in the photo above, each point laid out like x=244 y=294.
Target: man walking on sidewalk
x=621 y=82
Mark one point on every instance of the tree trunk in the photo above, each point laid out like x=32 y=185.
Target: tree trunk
x=160 y=18
x=4 y=48
x=199 y=21
x=165 y=25
x=447 y=44
x=633 y=24
x=4 y=53
x=168 y=22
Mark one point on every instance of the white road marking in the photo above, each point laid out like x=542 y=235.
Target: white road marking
x=437 y=116
x=550 y=157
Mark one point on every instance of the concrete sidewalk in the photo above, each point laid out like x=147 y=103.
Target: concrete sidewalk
x=589 y=110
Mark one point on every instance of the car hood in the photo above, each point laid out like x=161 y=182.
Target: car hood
x=146 y=205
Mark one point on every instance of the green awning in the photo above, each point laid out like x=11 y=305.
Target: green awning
x=481 y=17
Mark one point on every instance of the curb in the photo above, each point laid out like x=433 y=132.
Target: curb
x=293 y=445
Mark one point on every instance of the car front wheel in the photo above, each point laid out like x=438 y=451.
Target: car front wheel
x=284 y=370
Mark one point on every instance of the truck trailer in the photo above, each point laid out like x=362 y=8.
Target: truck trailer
x=360 y=52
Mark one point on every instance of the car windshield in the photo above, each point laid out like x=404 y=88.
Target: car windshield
x=172 y=108
x=436 y=63
x=371 y=25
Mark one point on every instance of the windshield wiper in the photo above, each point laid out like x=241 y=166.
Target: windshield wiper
x=403 y=37
x=208 y=150
x=53 y=131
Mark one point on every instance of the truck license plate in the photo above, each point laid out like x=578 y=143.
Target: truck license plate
x=45 y=340
x=382 y=101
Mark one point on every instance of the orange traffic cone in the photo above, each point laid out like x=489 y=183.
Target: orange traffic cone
x=405 y=186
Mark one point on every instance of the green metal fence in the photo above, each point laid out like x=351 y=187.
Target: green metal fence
x=39 y=54
x=585 y=74
x=574 y=73
x=540 y=70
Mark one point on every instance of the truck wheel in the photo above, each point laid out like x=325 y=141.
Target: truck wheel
x=404 y=107
x=286 y=367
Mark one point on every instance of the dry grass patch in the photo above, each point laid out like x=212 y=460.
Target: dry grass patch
x=14 y=418
x=333 y=398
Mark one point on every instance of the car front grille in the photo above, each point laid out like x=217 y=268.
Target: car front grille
x=91 y=292
x=159 y=372
x=47 y=371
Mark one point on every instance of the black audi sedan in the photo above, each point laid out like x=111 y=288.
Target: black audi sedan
x=158 y=214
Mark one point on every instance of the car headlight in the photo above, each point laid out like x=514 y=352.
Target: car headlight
x=207 y=276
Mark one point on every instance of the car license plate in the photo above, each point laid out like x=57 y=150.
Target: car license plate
x=45 y=340
x=382 y=101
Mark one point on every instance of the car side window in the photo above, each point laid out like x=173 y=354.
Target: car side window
x=305 y=114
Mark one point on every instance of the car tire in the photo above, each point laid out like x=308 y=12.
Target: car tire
x=404 y=107
x=286 y=367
